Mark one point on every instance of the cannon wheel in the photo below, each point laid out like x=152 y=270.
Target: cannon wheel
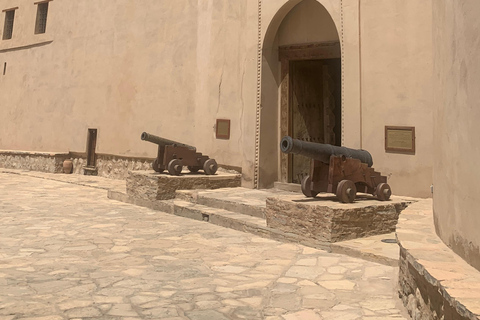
x=383 y=192
x=194 y=169
x=307 y=187
x=210 y=166
x=346 y=191
x=155 y=166
x=175 y=167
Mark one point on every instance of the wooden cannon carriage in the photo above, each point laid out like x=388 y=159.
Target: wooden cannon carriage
x=338 y=170
x=173 y=156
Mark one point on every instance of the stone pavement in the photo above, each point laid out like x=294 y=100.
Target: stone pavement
x=67 y=252
x=82 y=180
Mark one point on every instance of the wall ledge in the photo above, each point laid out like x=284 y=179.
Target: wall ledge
x=434 y=282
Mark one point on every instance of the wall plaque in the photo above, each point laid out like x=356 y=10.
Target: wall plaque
x=400 y=139
x=223 y=129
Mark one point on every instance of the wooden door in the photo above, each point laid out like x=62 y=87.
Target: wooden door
x=313 y=111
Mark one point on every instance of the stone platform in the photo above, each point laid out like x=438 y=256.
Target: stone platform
x=244 y=209
x=152 y=186
x=326 y=220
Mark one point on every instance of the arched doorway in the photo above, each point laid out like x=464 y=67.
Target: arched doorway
x=301 y=87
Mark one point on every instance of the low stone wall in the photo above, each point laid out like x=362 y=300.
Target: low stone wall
x=330 y=221
x=434 y=282
x=108 y=166
x=34 y=161
x=113 y=167
x=153 y=186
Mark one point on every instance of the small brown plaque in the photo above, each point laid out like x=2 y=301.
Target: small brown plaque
x=400 y=139
x=223 y=129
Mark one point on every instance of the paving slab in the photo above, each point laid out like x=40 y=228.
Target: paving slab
x=85 y=256
x=380 y=248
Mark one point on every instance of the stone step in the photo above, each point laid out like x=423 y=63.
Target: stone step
x=240 y=222
x=152 y=186
x=217 y=216
x=220 y=217
x=213 y=206
x=247 y=206
x=285 y=186
x=379 y=248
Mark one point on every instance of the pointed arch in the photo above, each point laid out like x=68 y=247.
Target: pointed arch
x=297 y=23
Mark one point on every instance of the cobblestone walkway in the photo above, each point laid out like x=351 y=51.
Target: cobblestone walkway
x=67 y=252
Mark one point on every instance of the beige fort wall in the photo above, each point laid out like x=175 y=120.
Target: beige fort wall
x=457 y=118
x=387 y=76
x=172 y=68
x=396 y=88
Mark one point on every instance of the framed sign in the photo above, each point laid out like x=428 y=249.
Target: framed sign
x=400 y=139
x=223 y=129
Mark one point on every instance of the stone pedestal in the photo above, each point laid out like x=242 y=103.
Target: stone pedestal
x=149 y=185
x=327 y=220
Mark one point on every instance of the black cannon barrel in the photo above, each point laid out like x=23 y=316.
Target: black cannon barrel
x=322 y=152
x=163 y=142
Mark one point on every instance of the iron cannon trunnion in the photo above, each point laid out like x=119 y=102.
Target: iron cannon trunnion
x=173 y=156
x=338 y=170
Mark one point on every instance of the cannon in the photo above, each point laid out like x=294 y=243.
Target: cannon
x=173 y=156
x=338 y=170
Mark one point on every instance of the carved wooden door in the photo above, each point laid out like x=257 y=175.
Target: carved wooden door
x=312 y=109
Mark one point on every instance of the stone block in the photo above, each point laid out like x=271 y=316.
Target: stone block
x=149 y=185
x=325 y=220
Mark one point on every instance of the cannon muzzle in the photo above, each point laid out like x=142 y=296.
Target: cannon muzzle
x=164 y=142
x=322 y=152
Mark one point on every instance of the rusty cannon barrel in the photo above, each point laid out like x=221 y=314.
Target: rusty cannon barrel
x=322 y=152
x=164 y=142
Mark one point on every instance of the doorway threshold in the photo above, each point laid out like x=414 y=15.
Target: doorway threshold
x=285 y=186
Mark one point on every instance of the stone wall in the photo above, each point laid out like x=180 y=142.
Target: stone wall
x=108 y=166
x=113 y=167
x=434 y=282
x=421 y=295
x=35 y=161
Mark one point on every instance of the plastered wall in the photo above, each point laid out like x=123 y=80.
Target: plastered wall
x=387 y=78
x=396 y=88
x=457 y=119
x=173 y=67
x=123 y=67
